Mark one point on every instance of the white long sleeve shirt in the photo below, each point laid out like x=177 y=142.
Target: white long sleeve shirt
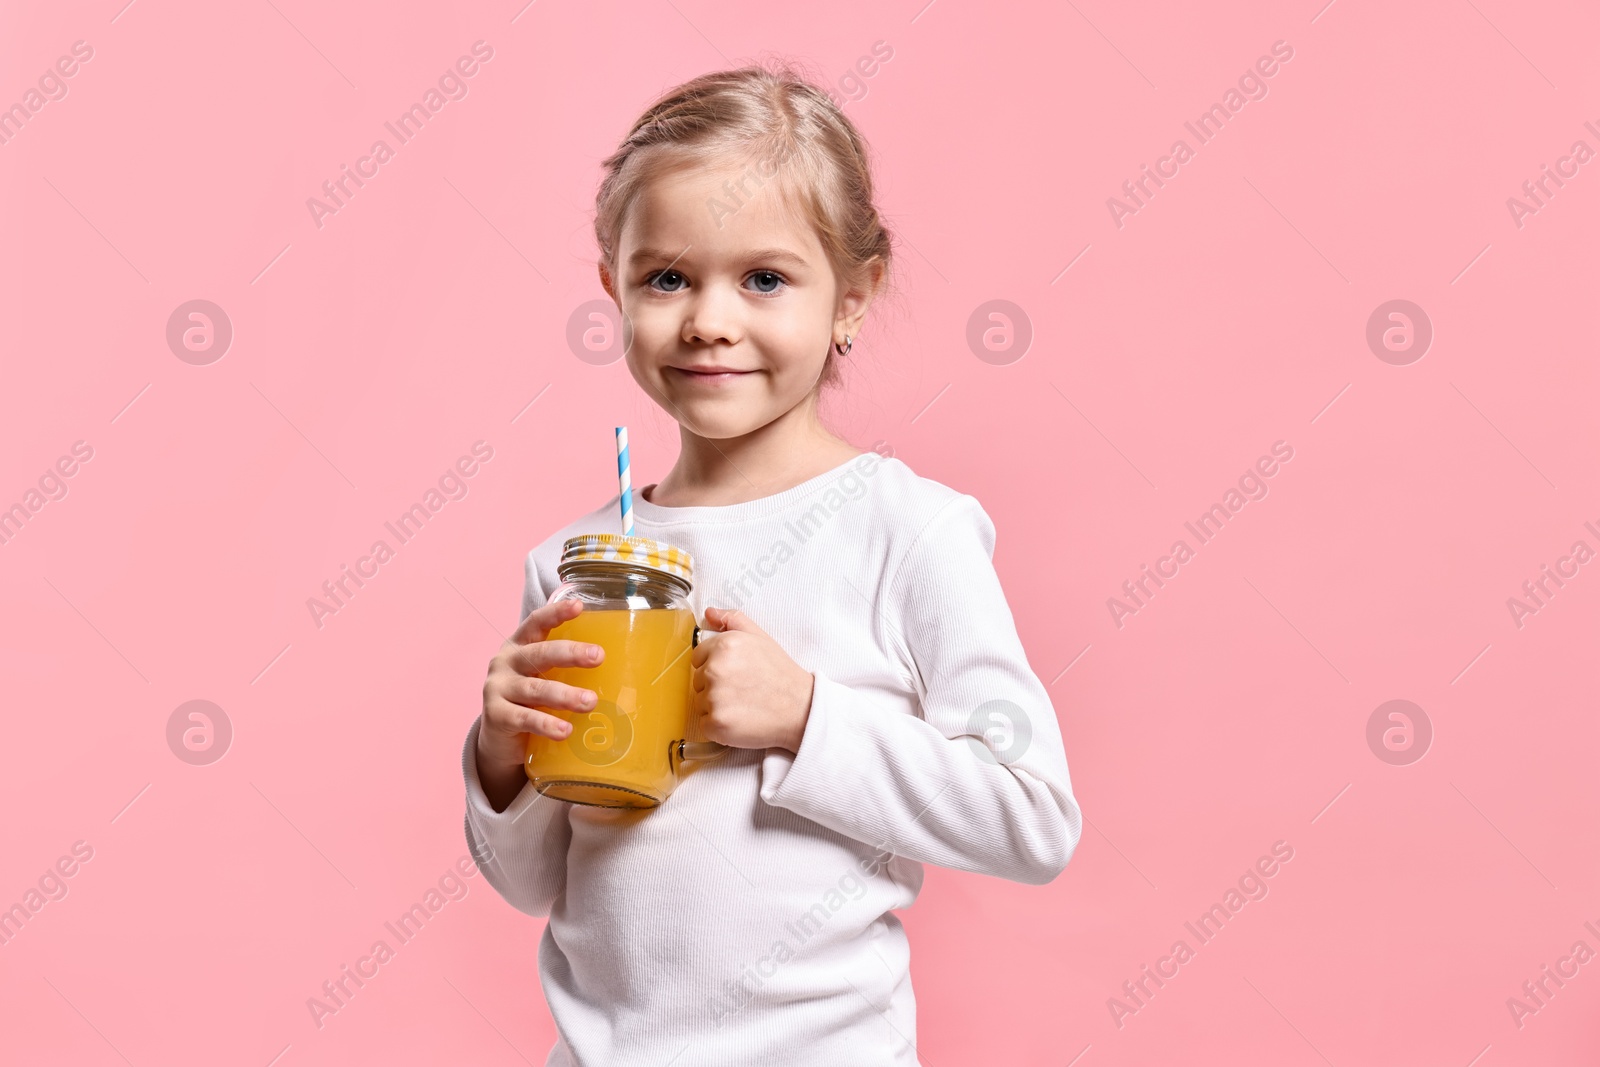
x=749 y=919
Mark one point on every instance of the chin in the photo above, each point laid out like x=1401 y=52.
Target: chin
x=721 y=429
x=705 y=421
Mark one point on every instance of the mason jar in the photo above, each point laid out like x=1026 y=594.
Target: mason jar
x=628 y=750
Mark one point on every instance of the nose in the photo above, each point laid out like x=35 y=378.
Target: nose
x=713 y=315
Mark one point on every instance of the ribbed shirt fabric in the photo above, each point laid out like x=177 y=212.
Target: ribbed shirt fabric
x=750 y=918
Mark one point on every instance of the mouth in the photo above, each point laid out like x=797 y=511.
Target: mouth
x=709 y=375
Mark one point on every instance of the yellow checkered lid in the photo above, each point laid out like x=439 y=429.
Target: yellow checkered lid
x=638 y=551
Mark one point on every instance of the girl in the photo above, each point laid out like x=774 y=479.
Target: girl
x=860 y=657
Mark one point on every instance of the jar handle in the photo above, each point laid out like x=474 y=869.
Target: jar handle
x=683 y=749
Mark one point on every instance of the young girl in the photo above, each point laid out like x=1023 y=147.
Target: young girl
x=859 y=655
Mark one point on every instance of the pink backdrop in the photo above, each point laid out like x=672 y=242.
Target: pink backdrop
x=1145 y=358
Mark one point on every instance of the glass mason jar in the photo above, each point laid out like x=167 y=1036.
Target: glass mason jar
x=628 y=750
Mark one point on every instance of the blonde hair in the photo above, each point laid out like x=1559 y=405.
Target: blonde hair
x=802 y=142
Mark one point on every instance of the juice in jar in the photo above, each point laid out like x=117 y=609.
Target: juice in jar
x=617 y=754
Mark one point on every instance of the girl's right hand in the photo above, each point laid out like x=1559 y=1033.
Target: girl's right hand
x=514 y=693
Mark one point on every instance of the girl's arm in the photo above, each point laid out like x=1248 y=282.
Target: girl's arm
x=979 y=782
x=520 y=846
x=522 y=850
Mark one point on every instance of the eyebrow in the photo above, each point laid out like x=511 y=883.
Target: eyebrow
x=770 y=255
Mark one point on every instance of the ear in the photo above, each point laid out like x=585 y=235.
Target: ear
x=853 y=305
x=605 y=280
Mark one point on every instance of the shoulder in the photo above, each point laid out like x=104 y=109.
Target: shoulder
x=915 y=511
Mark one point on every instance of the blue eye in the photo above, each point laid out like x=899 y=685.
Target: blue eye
x=767 y=282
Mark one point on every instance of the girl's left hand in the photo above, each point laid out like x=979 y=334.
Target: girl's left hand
x=747 y=690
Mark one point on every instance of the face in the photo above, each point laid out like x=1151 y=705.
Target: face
x=748 y=296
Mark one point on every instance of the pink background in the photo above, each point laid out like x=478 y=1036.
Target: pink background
x=1228 y=313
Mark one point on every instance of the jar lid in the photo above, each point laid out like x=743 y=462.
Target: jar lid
x=638 y=551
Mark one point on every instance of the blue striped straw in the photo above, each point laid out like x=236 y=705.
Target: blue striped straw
x=624 y=479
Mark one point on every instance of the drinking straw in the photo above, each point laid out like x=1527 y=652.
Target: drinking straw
x=624 y=481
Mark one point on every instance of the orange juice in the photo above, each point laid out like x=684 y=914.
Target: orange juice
x=617 y=754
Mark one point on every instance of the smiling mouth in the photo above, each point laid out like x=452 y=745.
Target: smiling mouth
x=710 y=376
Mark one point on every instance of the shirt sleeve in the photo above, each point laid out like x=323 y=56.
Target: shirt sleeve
x=978 y=780
x=521 y=851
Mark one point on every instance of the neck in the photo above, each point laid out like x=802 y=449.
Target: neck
x=790 y=449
